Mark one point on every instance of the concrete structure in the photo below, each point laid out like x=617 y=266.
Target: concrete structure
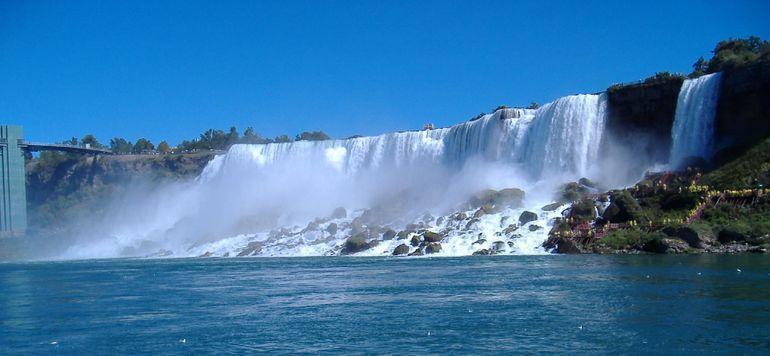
x=13 y=207
x=13 y=182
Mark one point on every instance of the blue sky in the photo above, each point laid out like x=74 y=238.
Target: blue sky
x=169 y=70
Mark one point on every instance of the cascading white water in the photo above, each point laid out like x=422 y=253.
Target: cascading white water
x=255 y=188
x=693 y=131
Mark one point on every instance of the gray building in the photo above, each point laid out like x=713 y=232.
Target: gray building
x=13 y=207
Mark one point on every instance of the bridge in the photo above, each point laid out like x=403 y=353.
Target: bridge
x=13 y=188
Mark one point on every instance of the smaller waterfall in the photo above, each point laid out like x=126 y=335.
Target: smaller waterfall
x=693 y=131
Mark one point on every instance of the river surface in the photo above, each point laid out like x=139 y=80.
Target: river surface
x=600 y=304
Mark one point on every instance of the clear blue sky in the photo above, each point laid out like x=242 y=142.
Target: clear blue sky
x=169 y=70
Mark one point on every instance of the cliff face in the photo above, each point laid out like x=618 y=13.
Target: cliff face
x=641 y=116
x=743 y=113
x=58 y=189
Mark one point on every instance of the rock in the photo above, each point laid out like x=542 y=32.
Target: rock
x=623 y=208
x=730 y=234
x=534 y=227
x=433 y=247
x=479 y=242
x=510 y=243
x=527 y=216
x=666 y=245
x=402 y=235
x=460 y=216
x=571 y=192
x=695 y=236
x=498 y=245
x=207 y=254
x=482 y=252
x=401 y=249
x=332 y=229
x=479 y=213
x=339 y=213
x=389 y=234
x=558 y=244
x=417 y=252
x=470 y=224
x=511 y=197
x=510 y=229
x=586 y=182
x=583 y=210
x=430 y=236
x=250 y=249
x=415 y=241
x=356 y=226
x=440 y=220
x=354 y=244
x=551 y=207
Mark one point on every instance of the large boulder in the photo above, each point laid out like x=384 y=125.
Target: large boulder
x=510 y=197
x=389 y=234
x=666 y=245
x=696 y=236
x=252 y=248
x=571 y=192
x=331 y=228
x=732 y=233
x=430 y=236
x=527 y=216
x=559 y=244
x=623 y=207
x=433 y=247
x=401 y=249
x=415 y=241
x=355 y=244
x=583 y=210
x=417 y=252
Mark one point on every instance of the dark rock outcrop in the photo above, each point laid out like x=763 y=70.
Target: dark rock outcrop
x=433 y=247
x=527 y=216
x=667 y=245
x=558 y=244
x=695 y=236
x=430 y=236
x=401 y=249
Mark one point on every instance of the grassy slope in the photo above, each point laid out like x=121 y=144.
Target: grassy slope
x=740 y=172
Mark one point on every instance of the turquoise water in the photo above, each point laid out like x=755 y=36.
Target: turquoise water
x=604 y=304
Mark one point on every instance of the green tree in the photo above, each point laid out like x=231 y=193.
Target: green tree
x=163 y=147
x=120 y=145
x=699 y=68
x=232 y=137
x=250 y=137
x=739 y=52
x=143 y=145
x=312 y=136
x=282 y=138
x=533 y=105
x=90 y=141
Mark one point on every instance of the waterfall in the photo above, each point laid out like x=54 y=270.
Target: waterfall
x=559 y=138
x=267 y=193
x=693 y=131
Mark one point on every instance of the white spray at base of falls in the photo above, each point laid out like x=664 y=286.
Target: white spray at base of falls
x=693 y=131
x=273 y=195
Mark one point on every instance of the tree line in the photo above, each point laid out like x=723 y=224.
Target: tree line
x=210 y=139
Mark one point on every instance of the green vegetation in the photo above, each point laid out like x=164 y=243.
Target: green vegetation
x=312 y=136
x=749 y=170
x=663 y=77
x=733 y=53
x=629 y=239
